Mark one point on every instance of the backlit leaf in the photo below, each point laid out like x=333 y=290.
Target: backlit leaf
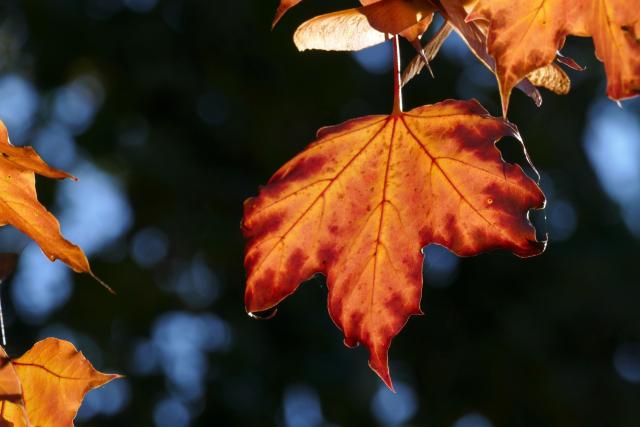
x=474 y=35
x=360 y=203
x=19 y=204
x=524 y=35
x=54 y=378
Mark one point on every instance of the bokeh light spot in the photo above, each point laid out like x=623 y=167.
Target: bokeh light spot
x=19 y=105
x=626 y=361
x=440 y=266
x=302 y=407
x=393 y=409
x=171 y=412
x=375 y=59
x=39 y=286
x=149 y=246
x=473 y=420
x=94 y=210
x=196 y=285
x=76 y=103
x=611 y=144
x=140 y=6
x=55 y=144
x=108 y=400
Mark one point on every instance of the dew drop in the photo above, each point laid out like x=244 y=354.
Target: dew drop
x=263 y=315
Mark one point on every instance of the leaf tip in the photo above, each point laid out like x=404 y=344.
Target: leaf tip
x=101 y=282
x=263 y=315
x=111 y=377
x=379 y=363
x=284 y=6
x=569 y=62
x=382 y=370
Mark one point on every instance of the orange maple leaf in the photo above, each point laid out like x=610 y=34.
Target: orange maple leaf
x=19 y=204
x=45 y=386
x=474 y=35
x=524 y=35
x=360 y=202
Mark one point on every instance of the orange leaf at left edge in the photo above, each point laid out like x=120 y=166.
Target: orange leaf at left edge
x=54 y=378
x=19 y=204
x=11 y=400
x=361 y=202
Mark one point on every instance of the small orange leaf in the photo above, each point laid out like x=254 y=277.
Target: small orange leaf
x=360 y=202
x=54 y=378
x=19 y=204
x=525 y=35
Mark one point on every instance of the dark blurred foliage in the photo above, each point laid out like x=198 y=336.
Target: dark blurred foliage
x=180 y=109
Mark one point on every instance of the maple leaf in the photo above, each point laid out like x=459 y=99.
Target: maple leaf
x=45 y=386
x=19 y=204
x=361 y=201
x=551 y=77
x=524 y=35
x=474 y=35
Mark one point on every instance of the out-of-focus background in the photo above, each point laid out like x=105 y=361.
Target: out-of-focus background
x=172 y=112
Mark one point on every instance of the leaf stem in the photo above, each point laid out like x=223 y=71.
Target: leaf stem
x=397 y=77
